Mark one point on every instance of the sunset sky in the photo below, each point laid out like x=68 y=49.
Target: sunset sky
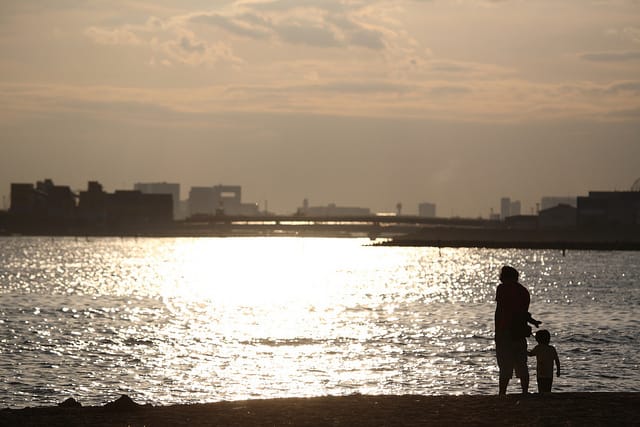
x=359 y=103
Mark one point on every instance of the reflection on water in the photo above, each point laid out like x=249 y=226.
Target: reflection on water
x=186 y=320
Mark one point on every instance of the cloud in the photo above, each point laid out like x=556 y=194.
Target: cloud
x=611 y=56
x=621 y=87
x=372 y=87
x=244 y=25
x=372 y=39
x=309 y=35
x=192 y=46
x=474 y=101
x=627 y=33
x=115 y=36
x=450 y=90
x=627 y=115
x=167 y=38
x=311 y=22
x=633 y=33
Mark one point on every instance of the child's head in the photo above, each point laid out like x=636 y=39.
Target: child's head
x=543 y=336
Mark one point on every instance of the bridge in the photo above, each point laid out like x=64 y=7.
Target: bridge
x=370 y=225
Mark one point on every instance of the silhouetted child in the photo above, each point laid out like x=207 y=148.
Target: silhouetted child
x=545 y=356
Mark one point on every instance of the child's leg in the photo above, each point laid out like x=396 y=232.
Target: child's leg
x=544 y=385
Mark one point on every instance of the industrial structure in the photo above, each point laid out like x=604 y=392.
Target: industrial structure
x=219 y=200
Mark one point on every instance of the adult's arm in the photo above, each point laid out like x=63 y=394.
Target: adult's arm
x=533 y=321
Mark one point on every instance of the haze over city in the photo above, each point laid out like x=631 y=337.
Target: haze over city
x=360 y=103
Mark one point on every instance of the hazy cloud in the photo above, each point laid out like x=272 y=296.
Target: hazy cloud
x=627 y=33
x=632 y=86
x=314 y=23
x=244 y=25
x=115 y=36
x=611 y=56
x=167 y=38
x=450 y=90
x=305 y=34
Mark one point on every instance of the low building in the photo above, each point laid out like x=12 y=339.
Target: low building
x=609 y=209
x=23 y=199
x=551 y=201
x=427 y=210
x=97 y=208
x=561 y=216
x=201 y=201
x=332 y=210
x=45 y=200
x=522 y=222
x=92 y=205
x=59 y=201
x=132 y=207
x=162 y=188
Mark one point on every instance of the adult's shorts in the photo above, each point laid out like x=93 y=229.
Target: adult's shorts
x=512 y=356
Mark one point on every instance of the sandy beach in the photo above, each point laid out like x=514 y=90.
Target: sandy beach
x=566 y=409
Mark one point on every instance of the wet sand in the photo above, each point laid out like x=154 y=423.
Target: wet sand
x=566 y=409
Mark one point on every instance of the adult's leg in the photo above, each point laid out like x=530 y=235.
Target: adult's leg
x=504 y=356
x=520 y=363
x=503 y=383
x=524 y=383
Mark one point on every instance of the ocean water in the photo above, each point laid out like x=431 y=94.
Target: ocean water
x=210 y=319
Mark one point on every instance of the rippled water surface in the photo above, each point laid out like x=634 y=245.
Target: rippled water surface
x=195 y=320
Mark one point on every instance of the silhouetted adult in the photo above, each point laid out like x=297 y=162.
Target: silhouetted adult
x=512 y=329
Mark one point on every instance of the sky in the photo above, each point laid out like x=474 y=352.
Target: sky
x=358 y=103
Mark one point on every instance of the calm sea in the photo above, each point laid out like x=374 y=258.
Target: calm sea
x=208 y=319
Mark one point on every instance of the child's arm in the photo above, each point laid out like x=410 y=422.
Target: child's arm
x=557 y=360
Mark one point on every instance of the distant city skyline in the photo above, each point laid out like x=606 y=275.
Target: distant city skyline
x=513 y=206
x=357 y=103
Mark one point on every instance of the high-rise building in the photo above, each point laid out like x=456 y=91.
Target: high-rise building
x=505 y=207
x=515 y=208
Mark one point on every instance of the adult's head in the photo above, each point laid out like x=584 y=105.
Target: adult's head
x=508 y=274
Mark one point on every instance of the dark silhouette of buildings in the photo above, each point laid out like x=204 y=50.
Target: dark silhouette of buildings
x=56 y=203
x=133 y=208
x=551 y=201
x=47 y=207
x=560 y=216
x=162 y=188
x=609 y=209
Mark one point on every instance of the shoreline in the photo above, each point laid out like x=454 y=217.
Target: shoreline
x=579 y=408
x=398 y=241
